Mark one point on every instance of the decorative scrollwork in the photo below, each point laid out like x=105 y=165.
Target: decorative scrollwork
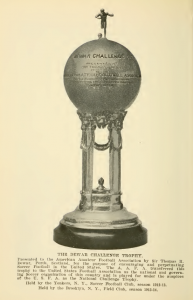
x=113 y=120
x=83 y=206
x=116 y=120
x=102 y=119
x=87 y=140
x=103 y=199
x=102 y=147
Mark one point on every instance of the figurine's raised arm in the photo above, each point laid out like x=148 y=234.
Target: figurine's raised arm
x=98 y=16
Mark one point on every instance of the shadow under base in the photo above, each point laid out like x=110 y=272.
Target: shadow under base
x=100 y=239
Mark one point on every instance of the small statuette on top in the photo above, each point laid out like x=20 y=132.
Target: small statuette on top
x=103 y=16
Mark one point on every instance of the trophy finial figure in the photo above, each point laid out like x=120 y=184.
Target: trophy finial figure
x=103 y=16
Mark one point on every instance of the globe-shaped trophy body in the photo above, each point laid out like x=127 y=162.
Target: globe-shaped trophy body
x=102 y=75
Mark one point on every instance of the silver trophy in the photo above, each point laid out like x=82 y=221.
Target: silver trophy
x=102 y=78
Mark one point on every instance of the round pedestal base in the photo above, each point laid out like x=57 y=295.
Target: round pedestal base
x=100 y=238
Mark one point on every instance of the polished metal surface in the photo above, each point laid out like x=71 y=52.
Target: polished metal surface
x=102 y=75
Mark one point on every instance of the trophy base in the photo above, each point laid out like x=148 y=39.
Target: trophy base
x=100 y=239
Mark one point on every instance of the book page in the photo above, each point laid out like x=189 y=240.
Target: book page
x=41 y=159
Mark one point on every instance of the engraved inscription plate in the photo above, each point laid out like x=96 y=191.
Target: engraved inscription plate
x=103 y=199
x=102 y=75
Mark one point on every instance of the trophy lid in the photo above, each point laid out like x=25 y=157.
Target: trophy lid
x=102 y=75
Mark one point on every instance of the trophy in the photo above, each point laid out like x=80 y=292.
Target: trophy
x=102 y=78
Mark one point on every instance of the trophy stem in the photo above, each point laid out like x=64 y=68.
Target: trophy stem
x=115 y=162
x=87 y=164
